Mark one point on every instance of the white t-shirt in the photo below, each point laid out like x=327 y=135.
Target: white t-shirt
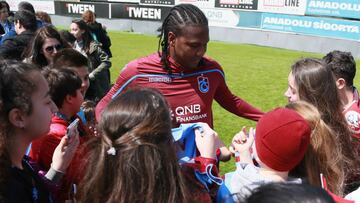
x=245 y=179
x=78 y=46
x=355 y=196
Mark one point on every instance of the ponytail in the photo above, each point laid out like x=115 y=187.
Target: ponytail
x=324 y=154
x=135 y=159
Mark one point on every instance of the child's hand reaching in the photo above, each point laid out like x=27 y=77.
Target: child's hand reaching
x=206 y=142
x=242 y=144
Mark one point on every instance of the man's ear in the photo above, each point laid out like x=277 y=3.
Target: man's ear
x=171 y=39
x=20 y=25
x=340 y=83
x=17 y=118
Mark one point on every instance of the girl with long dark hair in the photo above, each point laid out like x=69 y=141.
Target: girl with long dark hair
x=45 y=44
x=25 y=114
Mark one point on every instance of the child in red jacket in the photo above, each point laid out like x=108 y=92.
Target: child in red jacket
x=65 y=91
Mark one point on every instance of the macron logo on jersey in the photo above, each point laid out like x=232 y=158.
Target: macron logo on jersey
x=160 y=79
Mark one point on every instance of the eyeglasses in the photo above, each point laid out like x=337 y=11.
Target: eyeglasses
x=50 y=49
x=4 y=11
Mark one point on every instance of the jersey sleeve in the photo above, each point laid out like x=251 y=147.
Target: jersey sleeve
x=124 y=78
x=51 y=185
x=202 y=162
x=234 y=104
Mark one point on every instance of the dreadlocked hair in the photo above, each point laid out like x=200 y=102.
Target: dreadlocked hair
x=179 y=16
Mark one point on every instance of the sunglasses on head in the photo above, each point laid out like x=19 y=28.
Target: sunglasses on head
x=50 y=49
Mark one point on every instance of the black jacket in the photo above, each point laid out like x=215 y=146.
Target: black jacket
x=101 y=36
x=26 y=186
x=13 y=47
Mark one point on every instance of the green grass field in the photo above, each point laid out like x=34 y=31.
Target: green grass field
x=256 y=74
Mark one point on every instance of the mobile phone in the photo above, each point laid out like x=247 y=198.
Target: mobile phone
x=72 y=127
x=323 y=181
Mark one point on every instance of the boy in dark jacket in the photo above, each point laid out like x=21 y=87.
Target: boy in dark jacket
x=25 y=26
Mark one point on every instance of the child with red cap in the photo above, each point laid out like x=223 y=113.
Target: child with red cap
x=282 y=138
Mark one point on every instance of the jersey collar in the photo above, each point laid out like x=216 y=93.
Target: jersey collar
x=356 y=94
x=178 y=68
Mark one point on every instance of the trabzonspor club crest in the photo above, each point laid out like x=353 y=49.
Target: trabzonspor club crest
x=203 y=83
x=353 y=118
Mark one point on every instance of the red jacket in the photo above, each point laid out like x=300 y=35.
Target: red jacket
x=43 y=149
x=189 y=92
